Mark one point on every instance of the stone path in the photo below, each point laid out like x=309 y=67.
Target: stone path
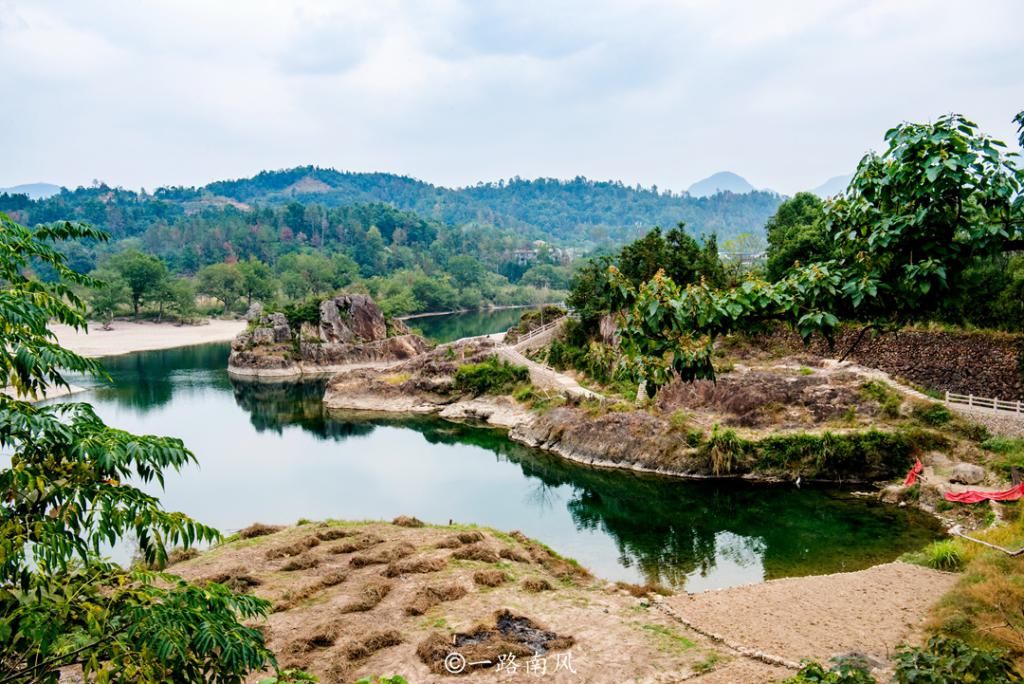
x=541 y=376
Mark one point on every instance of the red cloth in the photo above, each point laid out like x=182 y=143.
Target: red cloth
x=914 y=472
x=974 y=496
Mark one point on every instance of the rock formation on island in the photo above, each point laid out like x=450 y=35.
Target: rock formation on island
x=343 y=330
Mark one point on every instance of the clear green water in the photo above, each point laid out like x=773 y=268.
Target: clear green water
x=269 y=453
x=455 y=326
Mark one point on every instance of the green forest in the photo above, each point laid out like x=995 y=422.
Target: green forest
x=305 y=232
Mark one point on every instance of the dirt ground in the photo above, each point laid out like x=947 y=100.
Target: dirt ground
x=869 y=612
x=354 y=599
x=358 y=599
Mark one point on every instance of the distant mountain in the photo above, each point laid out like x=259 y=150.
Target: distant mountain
x=833 y=186
x=577 y=210
x=33 y=190
x=571 y=212
x=723 y=181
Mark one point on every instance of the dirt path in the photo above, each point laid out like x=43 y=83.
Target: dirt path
x=871 y=611
x=545 y=377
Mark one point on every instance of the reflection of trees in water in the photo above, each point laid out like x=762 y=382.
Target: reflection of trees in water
x=669 y=529
x=666 y=528
x=145 y=381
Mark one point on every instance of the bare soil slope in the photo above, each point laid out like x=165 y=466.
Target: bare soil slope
x=356 y=599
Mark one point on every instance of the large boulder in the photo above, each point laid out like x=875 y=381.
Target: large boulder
x=967 y=473
x=352 y=318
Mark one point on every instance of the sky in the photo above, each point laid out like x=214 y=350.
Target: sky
x=143 y=93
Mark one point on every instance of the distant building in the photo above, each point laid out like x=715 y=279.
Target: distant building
x=528 y=255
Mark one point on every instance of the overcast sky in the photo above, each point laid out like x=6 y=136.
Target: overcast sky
x=787 y=94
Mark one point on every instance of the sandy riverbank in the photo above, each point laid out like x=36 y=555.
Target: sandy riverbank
x=126 y=337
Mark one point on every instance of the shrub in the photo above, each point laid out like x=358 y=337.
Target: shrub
x=944 y=554
x=951 y=660
x=932 y=414
x=888 y=400
x=843 y=671
x=491 y=376
x=724 y=449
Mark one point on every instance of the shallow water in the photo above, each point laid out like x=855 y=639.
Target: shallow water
x=269 y=453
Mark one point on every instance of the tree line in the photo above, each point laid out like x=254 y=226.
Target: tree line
x=932 y=229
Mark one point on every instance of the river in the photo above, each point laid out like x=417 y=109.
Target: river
x=270 y=453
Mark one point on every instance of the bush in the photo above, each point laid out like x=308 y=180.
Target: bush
x=932 y=414
x=843 y=671
x=1009 y=449
x=951 y=661
x=944 y=554
x=888 y=400
x=492 y=376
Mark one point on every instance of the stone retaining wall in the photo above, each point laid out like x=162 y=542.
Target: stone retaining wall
x=986 y=364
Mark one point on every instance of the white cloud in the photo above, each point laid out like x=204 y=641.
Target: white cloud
x=651 y=91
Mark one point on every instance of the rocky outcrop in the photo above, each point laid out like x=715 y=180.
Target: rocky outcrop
x=349 y=329
x=632 y=440
x=425 y=385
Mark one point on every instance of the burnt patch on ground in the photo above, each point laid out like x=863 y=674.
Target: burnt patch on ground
x=508 y=634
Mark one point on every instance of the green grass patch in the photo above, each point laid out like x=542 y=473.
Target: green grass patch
x=868 y=455
x=491 y=376
x=668 y=638
x=887 y=398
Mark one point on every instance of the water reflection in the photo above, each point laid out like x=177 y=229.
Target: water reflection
x=675 y=532
x=455 y=326
x=271 y=453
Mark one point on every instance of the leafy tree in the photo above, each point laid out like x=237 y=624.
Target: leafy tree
x=143 y=273
x=369 y=252
x=223 y=282
x=796 y=234
x=910 y=224
x=310 y=273
x=434 y=294
x=257 y=280
x=108 y=295
x=675 y=254
x=64 y=494
x=547 y=275
x=1019 y=120
x=466 y=271
x=181 y=297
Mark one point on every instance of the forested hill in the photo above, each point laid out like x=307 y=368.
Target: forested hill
x=573 y=211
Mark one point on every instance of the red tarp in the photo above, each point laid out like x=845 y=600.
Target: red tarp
x=974 y=496
x=914 y=472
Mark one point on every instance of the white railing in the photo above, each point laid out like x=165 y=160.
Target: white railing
x=539 y=331
x=985 y=402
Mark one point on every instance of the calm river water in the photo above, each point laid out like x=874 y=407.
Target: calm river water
x=269 y=453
